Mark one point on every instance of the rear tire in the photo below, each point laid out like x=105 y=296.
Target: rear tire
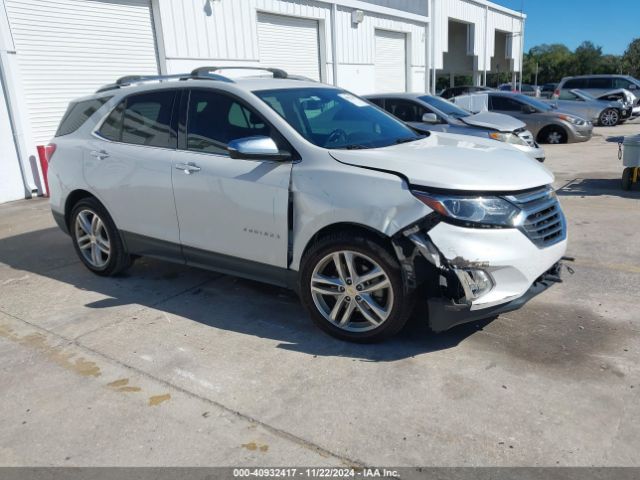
x=610 y=117
x=96 y=239
x=353 y=288
x=553 y=135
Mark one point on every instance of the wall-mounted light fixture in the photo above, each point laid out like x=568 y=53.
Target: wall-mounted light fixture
x=357 y=16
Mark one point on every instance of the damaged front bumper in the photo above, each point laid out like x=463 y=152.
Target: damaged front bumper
x=469 y=274
x=445 y=314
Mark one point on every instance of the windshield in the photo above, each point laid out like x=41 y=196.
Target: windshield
x=332 y=118
x=445 y=107
x=536 y=103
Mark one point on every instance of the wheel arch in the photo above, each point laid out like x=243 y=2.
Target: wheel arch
x=72 y=199
x=352 y=228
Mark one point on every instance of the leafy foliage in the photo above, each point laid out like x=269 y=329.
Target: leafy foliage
x=631 y=58
x=556 y=61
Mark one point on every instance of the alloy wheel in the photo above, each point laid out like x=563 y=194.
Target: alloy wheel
x=352 y=291
x=609 y=118
x=554 y=137
x=92 y=238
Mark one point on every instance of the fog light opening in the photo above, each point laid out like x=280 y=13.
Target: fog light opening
x=475 y=282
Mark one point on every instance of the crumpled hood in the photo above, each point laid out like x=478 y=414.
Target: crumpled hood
x=497 y=121
x=454 y=162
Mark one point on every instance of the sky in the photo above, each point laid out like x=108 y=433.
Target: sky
x=610 y=24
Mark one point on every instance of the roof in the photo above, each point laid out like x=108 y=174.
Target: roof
x=254 y=82
x=397 y=95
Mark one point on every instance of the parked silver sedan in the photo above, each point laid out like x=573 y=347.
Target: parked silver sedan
x=600 y=112
x=547 y=124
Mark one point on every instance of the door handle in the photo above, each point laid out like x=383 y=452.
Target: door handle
x=188 y=168
x=99 y=154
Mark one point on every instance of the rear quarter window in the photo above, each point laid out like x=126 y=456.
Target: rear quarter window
x=78 y=113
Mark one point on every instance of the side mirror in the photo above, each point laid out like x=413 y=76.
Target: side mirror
x=528 y=109
x=632 y=86
x=430 y=118
x=256 y=148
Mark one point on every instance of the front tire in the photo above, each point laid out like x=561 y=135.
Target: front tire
x=353 y=288
x=609 y=117
x=553 y=135
x=96 y=239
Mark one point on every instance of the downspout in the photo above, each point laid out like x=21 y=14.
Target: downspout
x=432 y=29
x=9 y=93
x=334 y=48
x=427 y=58
x=521 y=49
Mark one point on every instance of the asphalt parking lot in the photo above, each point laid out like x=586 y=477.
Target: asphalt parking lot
x=171 y=365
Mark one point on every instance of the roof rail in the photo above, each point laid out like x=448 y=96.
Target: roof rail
x=133 y=79
x=206 y=71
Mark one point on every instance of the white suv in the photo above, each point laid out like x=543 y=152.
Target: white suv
x=304 y=185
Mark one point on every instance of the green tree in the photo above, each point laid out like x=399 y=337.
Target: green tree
x=631 y=59
x=586 y=59
x=553 y=62
x=609 y=64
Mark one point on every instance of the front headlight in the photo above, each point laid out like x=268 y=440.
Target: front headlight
x=571 y=119
x=511 y=138
x=472 y=211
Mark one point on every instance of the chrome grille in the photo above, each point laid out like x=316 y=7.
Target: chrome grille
x=542 y=219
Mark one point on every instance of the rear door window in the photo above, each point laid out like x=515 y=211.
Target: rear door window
x=505 y=104
x=147 y=119
x=405 y=110
x=111 y=128
x=77 y=113
x=601 y=83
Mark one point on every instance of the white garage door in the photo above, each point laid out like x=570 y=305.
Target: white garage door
x=390 y=61
x=289 y=43
x=68 y=48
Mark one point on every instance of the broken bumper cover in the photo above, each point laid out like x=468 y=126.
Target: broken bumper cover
x=444 y=315
x=506 y=270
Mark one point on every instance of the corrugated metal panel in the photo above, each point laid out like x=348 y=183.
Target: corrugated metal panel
x=68 y=48
x=227 y=29
x=390 y=61
x=419 y=7
x=290 y=43
x=356 y=43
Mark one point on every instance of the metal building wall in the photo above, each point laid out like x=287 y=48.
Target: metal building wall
x=225 y=33
x=474 y=12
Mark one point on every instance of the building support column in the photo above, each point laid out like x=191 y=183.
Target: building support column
x=486 y=45
x=334 y=48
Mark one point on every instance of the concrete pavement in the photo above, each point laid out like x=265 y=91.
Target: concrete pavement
x=169 y=365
